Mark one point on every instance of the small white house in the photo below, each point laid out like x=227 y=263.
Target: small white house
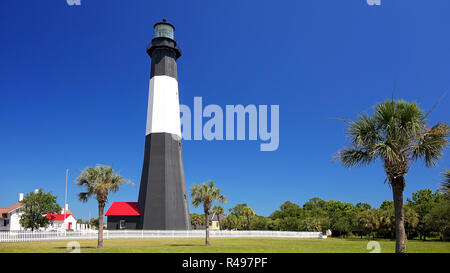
x=10 y=217
x=61 y=221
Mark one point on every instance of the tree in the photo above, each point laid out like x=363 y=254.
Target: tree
x=397 y=134
x=288 y=205
x=445 y=185
x=367 y=222
x=206 y=194
x=439 y=219
x=260 y=223
x=312 y=224
x=35 y=207
x=387 y=205
x=196 y=220
x=98 y=182
x=231 y=221
x=287 y=209
x=386 y=219
x=411 y=221
x=422 y=202
x=94 y=222
x=290 y=224
x=237 y=210
x=363 y=206
x=218 y=210
x=243 y=213
x=314 y=204
x=341 y=216
x=248 y=213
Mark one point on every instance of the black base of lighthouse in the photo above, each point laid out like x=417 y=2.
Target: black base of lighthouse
x=162 y=194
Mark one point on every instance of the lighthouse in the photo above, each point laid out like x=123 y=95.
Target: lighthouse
x=162 y=194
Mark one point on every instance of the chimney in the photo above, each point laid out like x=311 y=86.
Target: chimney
x=20 y=197
x=65 y=209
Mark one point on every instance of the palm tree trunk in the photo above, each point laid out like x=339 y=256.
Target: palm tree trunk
x=398 y=184
x=218 y=219
x=101 y=207
x=207 y=227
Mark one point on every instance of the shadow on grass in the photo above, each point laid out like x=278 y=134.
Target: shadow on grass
x=184 y=245
x=83 y=247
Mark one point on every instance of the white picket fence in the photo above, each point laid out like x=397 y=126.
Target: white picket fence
x=28 y=236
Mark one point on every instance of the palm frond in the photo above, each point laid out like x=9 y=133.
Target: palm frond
x=445 y=185
x=83 y=196
x=351 y=157
x=431 y=144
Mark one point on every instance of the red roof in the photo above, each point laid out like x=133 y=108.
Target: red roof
x=9 y=209
x=123 y=208
x=57 y=217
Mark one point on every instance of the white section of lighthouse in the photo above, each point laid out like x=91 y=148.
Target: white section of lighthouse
x=163 y=114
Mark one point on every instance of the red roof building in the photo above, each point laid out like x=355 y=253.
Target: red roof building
x=61 y=221
x=123 y=215
x=57 y=217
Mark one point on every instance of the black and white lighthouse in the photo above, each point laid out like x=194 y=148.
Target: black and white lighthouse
x=162 y=194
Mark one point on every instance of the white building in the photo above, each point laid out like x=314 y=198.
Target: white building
x=10 y=219
x=62 y=221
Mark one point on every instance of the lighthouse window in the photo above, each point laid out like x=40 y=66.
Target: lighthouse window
x=162 y=30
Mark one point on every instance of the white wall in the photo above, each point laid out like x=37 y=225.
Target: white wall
x=14 y=219
x=72 y=220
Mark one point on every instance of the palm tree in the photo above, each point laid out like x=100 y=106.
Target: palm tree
x=196 y=220
x=98 y=182
x=206 y=193
x=446 y=183
x=397 y=134
x=248 y=212
x=218 y=210
x=232 y=221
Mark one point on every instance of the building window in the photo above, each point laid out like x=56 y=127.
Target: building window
x=5 y=223
x=122 y=224
x=4 y=215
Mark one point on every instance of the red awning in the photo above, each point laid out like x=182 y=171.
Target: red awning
x=123 y=208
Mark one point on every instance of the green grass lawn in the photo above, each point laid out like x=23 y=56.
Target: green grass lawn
x=222 y=245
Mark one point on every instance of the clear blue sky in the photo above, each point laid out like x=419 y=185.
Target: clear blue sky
x=74 y=83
